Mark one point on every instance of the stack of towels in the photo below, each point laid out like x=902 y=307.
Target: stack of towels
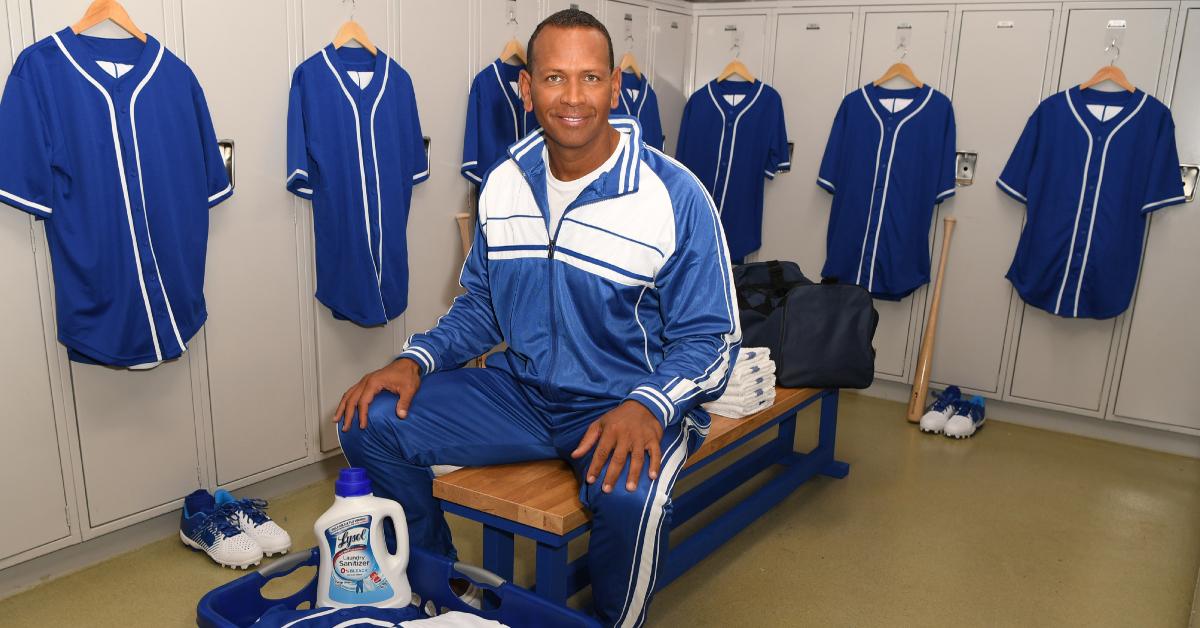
x=751 y=386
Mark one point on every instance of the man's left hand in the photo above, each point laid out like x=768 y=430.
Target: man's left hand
x=628 y=431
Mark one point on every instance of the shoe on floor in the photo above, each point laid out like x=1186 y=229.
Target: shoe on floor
x=940 y=411
x=253 y=520
x=214 y=530
x=968 y=418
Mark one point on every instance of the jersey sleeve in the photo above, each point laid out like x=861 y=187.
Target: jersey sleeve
x=418 y=158
x=1014 y=179
x=681 y=142
x=947 y=160
x=1165 y=186
x=827 y=175
x=470 y=156
x=26 y=177
x=652 y=131
x=299 y=170
x=217 y=177
x=778 y=159
x=700 y=317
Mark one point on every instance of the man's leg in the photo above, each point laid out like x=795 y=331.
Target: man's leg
x=629 y=529
x=461 y=417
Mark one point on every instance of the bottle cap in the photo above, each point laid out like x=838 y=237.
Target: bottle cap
x=352 y=482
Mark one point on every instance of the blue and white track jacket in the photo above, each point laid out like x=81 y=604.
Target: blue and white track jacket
x=631 y=296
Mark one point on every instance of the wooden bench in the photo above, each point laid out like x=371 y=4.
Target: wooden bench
x=540 y=500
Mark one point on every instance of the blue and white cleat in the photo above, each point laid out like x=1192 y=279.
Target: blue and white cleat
x=940 y=411
x=251 y=518
x=214 y=530
x=968 y=418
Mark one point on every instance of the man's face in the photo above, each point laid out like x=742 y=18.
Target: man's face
x=572 y=88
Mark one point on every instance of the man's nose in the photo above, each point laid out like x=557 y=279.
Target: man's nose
x=573 y=94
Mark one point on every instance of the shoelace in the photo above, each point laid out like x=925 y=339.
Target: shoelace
x=224 y=519
x=253 y=508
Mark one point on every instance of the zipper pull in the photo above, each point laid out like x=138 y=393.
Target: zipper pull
x=550 y=254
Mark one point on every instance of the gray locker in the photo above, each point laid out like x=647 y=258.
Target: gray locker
x=253 y=336
x=632 y=35
x=999 y=78
x=1158 y=378
x=345 y=351
x=796 y=210
x=1066 y=362
x=31 y=473
x=495 y=27
x=591 y=6
x=672 y=48
x=926 y=30
x=715 y=45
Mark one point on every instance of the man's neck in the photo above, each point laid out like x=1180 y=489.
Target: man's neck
x=568 y=164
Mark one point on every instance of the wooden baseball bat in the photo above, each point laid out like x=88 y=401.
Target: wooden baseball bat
x=920 y=389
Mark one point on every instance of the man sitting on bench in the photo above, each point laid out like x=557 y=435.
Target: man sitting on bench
x=601 y=262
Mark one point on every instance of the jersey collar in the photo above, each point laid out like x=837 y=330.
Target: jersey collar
x=1078 y=100
x=632 y=106
x=623 y=178
x=84 y=52
x=874 y=93
x=342 y=66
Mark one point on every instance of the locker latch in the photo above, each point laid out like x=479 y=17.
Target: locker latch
x=964 y=168
x=1189 y=172
x=226 y=148
x=427 y=143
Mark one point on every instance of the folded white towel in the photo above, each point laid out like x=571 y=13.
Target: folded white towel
x=745 y=397
x=745 y=361
x=741 y=371
x=749 y=384
x=753 y=353
x=737 y=411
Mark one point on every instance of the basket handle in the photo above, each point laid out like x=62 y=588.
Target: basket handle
x=479 y=574
x=287 y=564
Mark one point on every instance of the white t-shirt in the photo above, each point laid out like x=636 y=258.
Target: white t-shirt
x=559 y=194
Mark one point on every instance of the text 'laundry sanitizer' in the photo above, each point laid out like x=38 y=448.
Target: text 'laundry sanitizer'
x=356 y=567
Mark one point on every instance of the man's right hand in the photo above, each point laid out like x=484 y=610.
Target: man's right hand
x=402 y=377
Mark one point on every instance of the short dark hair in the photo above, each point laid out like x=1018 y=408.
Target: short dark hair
x=570 y=18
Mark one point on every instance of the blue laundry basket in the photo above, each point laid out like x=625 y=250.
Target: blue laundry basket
x=240 y=603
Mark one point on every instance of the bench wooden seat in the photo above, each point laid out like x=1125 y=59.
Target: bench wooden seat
x=540 y=500
x=545 y=494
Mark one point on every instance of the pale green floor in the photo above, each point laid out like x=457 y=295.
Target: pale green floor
x=1017 y=527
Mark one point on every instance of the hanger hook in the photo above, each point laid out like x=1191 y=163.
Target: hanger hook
x=903 y=50
x=353 y=8
x=512 y=14
x=1111 y=46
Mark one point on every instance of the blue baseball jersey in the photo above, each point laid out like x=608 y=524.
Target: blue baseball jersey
x=111 y=143
x=733 y=137
x=355 y=148
x=1068 y=262
x=638 y=100
x=496 y=118
x=889 y=160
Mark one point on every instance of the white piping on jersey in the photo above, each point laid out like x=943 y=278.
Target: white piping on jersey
x=305 y=190
x=1144 y=207
x=827 y=183
x=507 y=99
x=294 y=174
x=228 y=189
x=137 y=159
x=1087 y=162
x=645 y=97
x=875 y=177
x=25 y=201
x=1096 y=202
x=387 y=65
x=645 y=336
x=137 y=256
x=362 y=170
x=420 y=174
x=950 y=191
x=1011 y=190
x=887 y=178
x=313 y=616
x=733 y=142
x=721 y=143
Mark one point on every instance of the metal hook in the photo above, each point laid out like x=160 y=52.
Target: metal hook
x=353 y=8
x=904 y=51
x=512 y=14
x=1112 y=45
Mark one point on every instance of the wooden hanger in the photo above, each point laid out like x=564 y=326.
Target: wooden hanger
x=1109 y=72
x=629 y=62
x=102 y=10
x=902 y=70
x=352 y=30
x=513 y=50
x=736 y=67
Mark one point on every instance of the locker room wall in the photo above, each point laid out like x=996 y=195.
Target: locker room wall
x=251 y=398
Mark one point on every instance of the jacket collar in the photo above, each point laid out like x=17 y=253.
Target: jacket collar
x=624 y=177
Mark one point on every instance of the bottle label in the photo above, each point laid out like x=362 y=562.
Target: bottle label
x=355 y=577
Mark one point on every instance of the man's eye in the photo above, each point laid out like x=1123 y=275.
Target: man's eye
x=553 y=78
x=591 y=78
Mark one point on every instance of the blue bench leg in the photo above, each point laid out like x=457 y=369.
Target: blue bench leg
x=828 y=437
x=498 y=551
x=552 y=573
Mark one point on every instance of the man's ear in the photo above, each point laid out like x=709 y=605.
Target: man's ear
x=616 y=89
x=525 y=83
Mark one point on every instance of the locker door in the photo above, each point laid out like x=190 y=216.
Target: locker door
x=1158 y=378
x=796 y=212
x=629 y=35
x=131 y=421
x=441 y=82
x=30 y=467
x=715 y=46
x=495 y=29
x=1066 y=361
x=253 y=337
x=998 y=81
x=345 y=351
x=927 y=35
x=554 y=6
x=672 y=45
